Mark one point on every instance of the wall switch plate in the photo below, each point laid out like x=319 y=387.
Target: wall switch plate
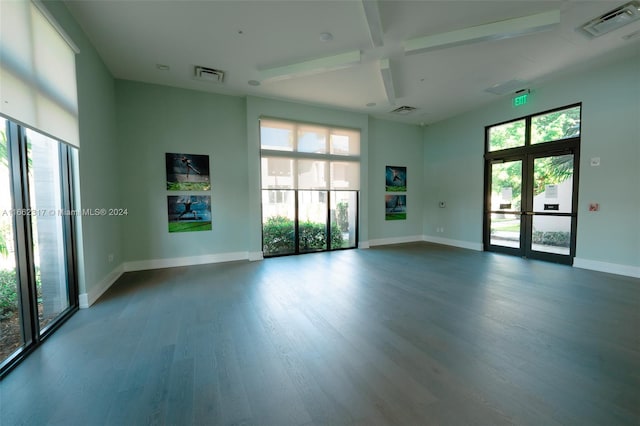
x=594 y=207
x=595 y=161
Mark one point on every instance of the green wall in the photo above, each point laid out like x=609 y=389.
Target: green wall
x=153 y=120
x=610 y=96
x=395 y=144
x=98 y=158
x=127 y=127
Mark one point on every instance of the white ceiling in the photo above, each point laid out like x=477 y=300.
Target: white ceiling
x=242 y=38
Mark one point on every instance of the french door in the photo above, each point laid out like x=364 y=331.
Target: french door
x=531 y=189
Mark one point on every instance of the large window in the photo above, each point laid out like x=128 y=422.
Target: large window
x=38 y=140
x=37 y=281
x=310 y=180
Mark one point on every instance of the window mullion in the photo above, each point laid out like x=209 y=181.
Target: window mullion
x=18 y=164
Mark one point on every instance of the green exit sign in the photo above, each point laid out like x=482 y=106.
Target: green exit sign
x=520 y=100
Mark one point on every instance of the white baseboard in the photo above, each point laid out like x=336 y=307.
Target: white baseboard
x=455 y=243
x=363 y=244
x=395 y=240
x=611 y=268
x=142 y=265
x=87 y=299
x=255 y=255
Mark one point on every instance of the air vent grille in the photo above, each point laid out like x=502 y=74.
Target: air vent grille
x=208 y=74
x=613 y=19
x=404 y=110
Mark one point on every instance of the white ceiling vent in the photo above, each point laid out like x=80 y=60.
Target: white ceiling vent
x=208 y=74
x=403 y=110
x=613 y=19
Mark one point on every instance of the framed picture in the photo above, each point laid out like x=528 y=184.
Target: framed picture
x=396 y=179
x=188 y=213
x=395 y=207
x=187 y=172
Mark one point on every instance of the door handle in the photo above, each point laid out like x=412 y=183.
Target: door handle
x=527 y=213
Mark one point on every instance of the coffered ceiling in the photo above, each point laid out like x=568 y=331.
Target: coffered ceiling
x=367 y=56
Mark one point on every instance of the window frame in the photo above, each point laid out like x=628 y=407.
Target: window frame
x=17 y=159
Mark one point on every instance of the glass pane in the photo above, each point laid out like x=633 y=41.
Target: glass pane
x=506 y=185
x=276 y=135
x=345 y=175
x=312 y=139
x=553 y=184
x=277 y=172
x=312 y=174
x=312 y=220
x=11 y=337
x=509 y=135
x=345 y=142
x=551 y=234
x=505 y=230
x=48 y=244
x=556 y=125
x=278 y=215
x=344 y=208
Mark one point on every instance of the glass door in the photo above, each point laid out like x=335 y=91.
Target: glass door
x=551 y=207
x=505 y=206
x=532 y=207
x=531 y=185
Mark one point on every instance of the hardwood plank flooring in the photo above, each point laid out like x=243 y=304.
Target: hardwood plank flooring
x=413 y=334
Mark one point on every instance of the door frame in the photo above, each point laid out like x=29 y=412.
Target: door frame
x=527 y=154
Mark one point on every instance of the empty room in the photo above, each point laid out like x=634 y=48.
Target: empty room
x=319 y=212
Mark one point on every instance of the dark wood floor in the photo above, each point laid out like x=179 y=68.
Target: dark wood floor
x=414 y=334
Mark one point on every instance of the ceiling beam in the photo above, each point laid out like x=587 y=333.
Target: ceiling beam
x=310 y=67
x=495 y=31
x=372 y=15
x=387 y=80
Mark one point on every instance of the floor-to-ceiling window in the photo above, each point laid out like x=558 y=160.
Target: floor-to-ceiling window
x=310 y=182
x=37 y=270
x=531 y=185
x=39 y=136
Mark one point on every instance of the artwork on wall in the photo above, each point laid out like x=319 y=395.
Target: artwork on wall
x=395 y=207
x=188 y=213
x=187 y=172
x=396 y=179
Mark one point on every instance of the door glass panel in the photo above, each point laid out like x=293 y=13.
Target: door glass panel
x=551 y=234
x=11 y=336
x=506 y=186
x=278 y=216
x=312 y=220
x=48 y=242
x=556 y=125
x=509 y=135
x=343 y=219
x=505 y=230
x=506 y=195
x=553 y=184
